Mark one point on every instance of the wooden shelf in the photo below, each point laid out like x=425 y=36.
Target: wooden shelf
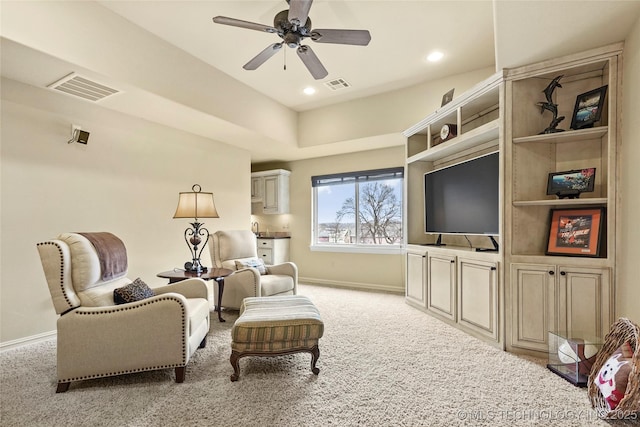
x=473 y=138
x=567 y=136
x=562 y=202
x=543 y=259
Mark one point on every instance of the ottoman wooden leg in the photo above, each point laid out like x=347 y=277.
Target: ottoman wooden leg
x=235 y=362
x=315 y=354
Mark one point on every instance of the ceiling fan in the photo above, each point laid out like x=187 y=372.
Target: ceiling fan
x=293 y=26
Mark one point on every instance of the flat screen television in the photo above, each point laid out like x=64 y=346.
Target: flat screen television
x=463 y=198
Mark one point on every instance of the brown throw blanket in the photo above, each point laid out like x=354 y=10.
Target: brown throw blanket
x=111 y=253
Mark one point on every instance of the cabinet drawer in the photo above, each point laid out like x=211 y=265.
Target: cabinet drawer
x=265 y=243
x=266 y=255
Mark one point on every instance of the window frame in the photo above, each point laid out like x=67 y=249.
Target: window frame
x=357 y=177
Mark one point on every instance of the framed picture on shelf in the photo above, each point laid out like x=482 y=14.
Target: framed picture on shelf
x=588 y=108
x=571 y=183
x=575 y=232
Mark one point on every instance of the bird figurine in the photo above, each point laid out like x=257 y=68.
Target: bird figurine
x=549 y=105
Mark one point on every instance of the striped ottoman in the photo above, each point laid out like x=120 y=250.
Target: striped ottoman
x=274 y=326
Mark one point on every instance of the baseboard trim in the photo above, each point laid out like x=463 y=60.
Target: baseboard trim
x=33 y=339
x=351 y=285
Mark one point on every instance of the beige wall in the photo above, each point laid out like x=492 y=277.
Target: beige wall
x=125 y=180
x=628 y=287
x=383 y=272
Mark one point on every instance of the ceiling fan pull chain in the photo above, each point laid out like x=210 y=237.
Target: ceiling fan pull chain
x=285 y=59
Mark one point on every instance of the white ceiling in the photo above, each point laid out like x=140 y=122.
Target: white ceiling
x=472 y=35
x=402 y=34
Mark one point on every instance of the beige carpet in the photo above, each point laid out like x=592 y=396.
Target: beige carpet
x=382 y=363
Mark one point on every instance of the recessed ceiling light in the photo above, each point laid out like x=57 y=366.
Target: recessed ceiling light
x=435 y=56
x=309 y=90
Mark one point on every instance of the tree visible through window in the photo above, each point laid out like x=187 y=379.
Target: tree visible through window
x=358 y=208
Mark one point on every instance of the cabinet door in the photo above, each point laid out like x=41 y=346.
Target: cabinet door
x=270 y=197
x=533 y=305
x=415 y=290
x=478 y=296
x=280 y=251
x=257 y=185
x=441 y=285
x=584 y=301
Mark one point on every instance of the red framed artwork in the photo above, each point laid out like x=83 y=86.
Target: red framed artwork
x=575 y=232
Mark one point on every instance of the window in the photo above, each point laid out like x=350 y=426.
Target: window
x=358 y=211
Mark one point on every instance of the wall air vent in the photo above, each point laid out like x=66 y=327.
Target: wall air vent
x=337 y=84
x=76 y=85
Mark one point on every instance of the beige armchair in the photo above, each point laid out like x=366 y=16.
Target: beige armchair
x=97 y=338
x=226 y=248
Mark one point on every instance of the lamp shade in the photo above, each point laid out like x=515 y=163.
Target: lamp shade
x=196 y=204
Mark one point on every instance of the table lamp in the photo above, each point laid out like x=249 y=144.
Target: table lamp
x=196 y=204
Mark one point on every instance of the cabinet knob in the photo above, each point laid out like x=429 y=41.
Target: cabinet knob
x=452 y=261
x=551 y=273
x=493 y=269
x=563 y=273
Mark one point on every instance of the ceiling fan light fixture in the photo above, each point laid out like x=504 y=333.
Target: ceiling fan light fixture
x=435 y=56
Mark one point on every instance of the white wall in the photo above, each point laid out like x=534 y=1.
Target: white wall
x=628 y=286
x=126 y=180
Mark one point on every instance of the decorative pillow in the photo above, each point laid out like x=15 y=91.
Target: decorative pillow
x=613 y=378
x=136 y=291
x=251 y=262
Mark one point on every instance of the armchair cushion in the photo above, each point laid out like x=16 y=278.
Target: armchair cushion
x=254 y=262
x=135 y=291
x=276 y=284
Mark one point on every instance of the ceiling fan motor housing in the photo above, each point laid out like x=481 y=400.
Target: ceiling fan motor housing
x=291 y=34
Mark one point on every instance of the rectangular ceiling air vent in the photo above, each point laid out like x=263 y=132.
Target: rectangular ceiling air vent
x=337 y=84
x=76 y=85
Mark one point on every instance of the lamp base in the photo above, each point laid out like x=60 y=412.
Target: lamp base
x=195 y=267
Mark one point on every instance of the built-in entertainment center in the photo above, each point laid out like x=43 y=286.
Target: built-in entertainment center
x=483 y=253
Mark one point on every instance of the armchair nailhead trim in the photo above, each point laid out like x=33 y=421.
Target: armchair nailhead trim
x=66 y=298
x=255 y=286
x=128 y=371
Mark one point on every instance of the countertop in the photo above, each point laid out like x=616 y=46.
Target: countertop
x=275 y=235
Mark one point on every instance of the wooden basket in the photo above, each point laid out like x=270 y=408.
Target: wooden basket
x=621 y=331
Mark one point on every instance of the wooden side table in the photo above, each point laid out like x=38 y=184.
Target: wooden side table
x=215 y=274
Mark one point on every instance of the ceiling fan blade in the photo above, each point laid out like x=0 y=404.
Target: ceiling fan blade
x=299 y=11
x=262 y=57
x=244 y=24
x=312 y=62
x=353 y=37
